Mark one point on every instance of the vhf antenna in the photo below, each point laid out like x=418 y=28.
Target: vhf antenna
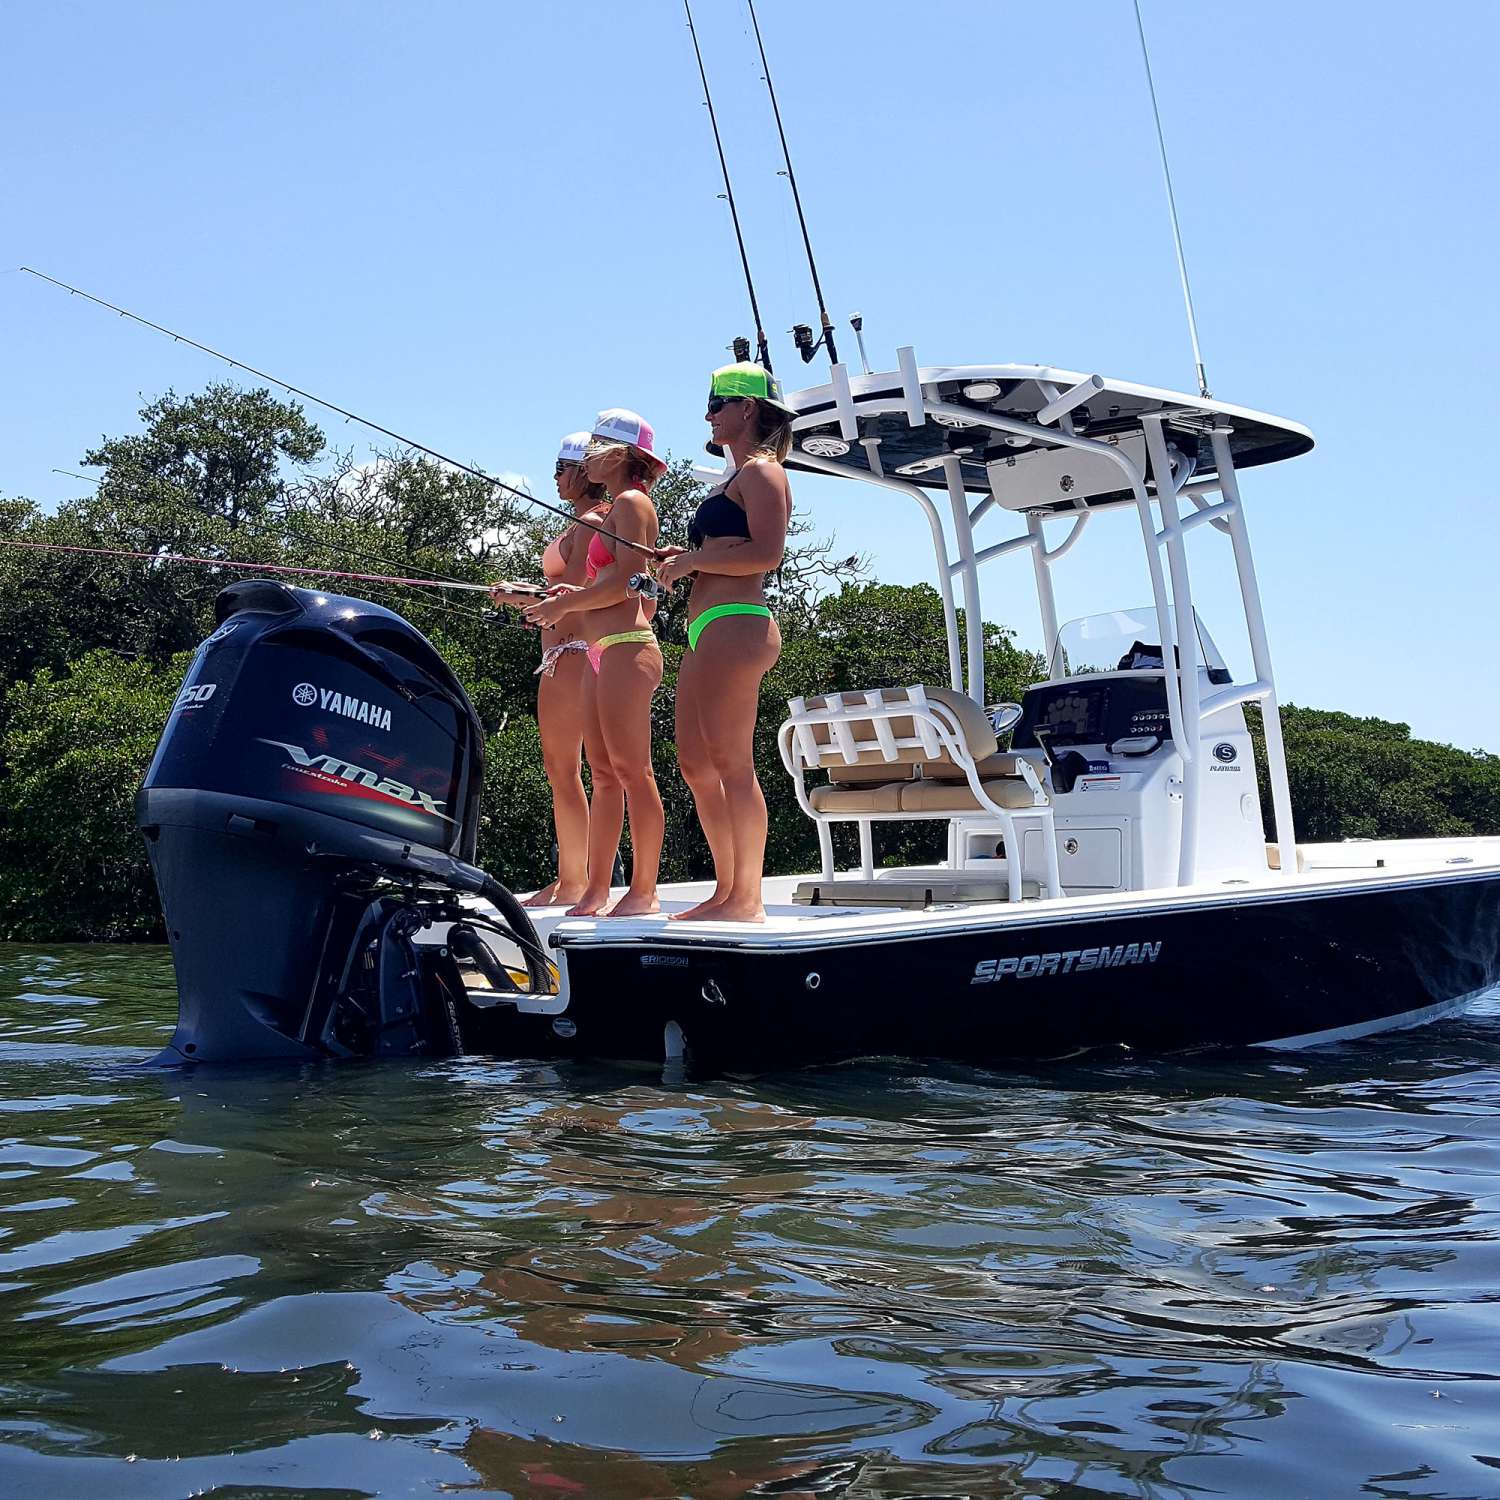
x=708 y=98
x=801 y=334
x=857 y=323
x=1166 y=172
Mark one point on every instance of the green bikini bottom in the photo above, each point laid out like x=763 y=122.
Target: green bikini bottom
x=718 y=612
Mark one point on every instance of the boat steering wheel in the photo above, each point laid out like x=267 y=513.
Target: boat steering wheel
x=1003 y=717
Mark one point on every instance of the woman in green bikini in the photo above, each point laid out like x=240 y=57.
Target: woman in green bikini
x=626 y=663
x=736 y=538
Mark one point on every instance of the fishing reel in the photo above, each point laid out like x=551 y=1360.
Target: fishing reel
x=647 y=586
x=807 y=346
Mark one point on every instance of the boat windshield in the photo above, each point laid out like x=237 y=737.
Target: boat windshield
x=1123 y=640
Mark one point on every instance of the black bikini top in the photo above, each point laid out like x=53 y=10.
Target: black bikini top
x=718 y=516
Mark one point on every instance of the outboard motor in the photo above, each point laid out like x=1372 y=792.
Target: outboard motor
x=311 y=807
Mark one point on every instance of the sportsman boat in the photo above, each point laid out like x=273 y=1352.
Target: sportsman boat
x=1108 y=883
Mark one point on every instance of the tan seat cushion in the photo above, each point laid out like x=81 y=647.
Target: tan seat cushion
x=1002 y=763
x=912 y=891
x=872 y=775
x=851 y=800
x=1273 y=857
x=974 y=725
x=955 y=797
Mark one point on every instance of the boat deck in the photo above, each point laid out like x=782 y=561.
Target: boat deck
x=1325 y=868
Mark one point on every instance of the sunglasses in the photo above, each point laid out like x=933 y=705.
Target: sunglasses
x=716 y=404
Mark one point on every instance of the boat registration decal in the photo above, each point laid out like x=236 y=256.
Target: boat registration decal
x=1074 y=960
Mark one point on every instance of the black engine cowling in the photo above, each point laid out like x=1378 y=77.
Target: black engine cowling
x=312 y=806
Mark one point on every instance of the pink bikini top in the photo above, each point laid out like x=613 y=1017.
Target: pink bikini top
x=599 y=557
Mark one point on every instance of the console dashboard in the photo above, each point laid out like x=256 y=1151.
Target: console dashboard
x=1094 y=710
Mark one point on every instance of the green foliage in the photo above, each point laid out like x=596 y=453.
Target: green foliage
x=515 y=823
x=75 y=747
x=1367 y=778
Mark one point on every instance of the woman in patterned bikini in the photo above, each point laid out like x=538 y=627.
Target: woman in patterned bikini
x=737 y=537
x=559 y=698
x=625 y=660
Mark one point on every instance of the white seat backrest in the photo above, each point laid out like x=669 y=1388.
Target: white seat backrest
x=879 y=727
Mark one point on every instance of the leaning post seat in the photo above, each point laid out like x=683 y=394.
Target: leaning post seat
x=906 y=754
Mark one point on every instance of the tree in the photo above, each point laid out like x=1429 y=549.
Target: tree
x=220 y=452
x=206 y=477
x=75 y=747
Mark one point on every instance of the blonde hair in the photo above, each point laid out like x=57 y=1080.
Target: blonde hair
x=774 y=430
x=644 y=472
x=594 y=492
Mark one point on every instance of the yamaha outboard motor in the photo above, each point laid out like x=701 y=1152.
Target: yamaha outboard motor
x=311 y=808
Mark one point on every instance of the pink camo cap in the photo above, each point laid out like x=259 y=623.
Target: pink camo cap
x=619 y=425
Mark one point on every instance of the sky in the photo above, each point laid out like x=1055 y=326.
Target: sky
x=480 y=223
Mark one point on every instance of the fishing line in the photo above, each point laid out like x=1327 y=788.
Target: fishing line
x=303 y=572
x=348 y=416
x=708 y=98
x=805 y=346
x=250 y=567
x=1166 y=172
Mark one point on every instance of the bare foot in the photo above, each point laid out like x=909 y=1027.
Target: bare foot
x=733 y=909
x=703 y=909
x=633 y=904
x=547 y=896
x=590 y=904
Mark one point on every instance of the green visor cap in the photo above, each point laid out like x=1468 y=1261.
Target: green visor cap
x=749 y=379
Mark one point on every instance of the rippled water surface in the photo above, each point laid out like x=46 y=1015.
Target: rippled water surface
x=1269 y=1276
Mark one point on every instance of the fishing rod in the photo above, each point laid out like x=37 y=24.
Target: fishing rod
x=801 y=334
x=760 y=333
x=347 y=415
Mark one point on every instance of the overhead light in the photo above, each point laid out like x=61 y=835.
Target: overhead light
x=825 y=447
x=982 y=390
x=944 y=420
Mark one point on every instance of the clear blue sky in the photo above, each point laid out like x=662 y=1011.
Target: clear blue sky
x=480 y=222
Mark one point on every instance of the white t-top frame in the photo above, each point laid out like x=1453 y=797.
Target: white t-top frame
x=1168 y=500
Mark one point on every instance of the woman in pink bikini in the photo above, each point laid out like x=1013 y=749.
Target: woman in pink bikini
x=626 y=663
x=559 y=699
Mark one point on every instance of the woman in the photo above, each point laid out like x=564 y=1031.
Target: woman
x=559 y=699
x=737 y=537
x=625 y=663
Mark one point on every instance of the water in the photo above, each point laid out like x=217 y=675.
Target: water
x=1274 y=1276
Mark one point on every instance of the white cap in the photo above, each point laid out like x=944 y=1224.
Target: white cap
x=573 y=448
x=617 y=425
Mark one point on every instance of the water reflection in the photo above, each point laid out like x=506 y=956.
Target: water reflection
x=871 y=1280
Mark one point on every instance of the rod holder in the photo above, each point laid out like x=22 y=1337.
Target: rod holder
x=911 y=387
x=843 y=402
x=1061 y=405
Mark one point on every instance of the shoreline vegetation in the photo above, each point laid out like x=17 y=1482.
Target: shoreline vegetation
x=93 y=650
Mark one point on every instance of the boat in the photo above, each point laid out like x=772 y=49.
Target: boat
x=1108 y=882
